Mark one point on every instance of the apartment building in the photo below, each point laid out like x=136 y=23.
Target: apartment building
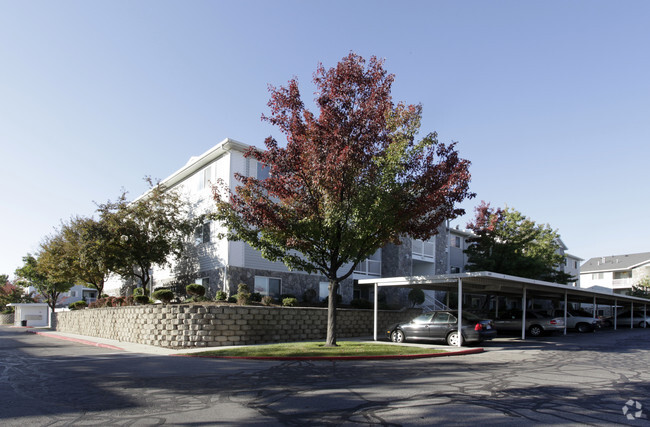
x=616 y=273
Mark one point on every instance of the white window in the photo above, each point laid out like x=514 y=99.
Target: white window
x=597 y=276
x=203 y=281
x=202 y=233
x=73 y=293
x=268 y=286
x=455 y=241
x=204 y=178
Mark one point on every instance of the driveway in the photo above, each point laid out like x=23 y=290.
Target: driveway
x=573 y=379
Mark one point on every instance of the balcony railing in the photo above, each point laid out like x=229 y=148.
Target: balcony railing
x=369 y=267
x=622 y=283
x=423 y=249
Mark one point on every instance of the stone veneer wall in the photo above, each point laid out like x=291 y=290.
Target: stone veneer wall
x=7 y=319
x=187 y=326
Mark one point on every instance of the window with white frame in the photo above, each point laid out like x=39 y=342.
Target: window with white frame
x=455 y=241
x=202 y=233
x=73 y=293
x=204 y=178
x=203 y=281
x=597 y=276
x=271 y=286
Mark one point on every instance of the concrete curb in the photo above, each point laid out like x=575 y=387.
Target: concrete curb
x=77 y=340
x=334 y=358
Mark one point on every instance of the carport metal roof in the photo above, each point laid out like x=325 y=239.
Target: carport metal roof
x=486 y=282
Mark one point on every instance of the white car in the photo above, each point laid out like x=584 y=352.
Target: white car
x=580 y=320
x=623 y=319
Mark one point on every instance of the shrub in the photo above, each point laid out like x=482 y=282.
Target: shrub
x=221 y=296
x=416 y=296
x=138 y=292
x=243 y=296
x=267 y=300
x=194 y=289
x=164 y=295
x=140 y=299
x=339 y=300
x=361 y=303
x=232 y=299
x=289 y=302
x=310 y=295
x=283 y=296
x=197 y=299
x=256 y=297
x=78 y=305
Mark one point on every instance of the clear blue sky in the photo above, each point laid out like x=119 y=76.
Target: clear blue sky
x=550 y=100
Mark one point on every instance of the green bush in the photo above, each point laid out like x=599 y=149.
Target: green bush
x=267 y=300
x=416 y=296
x=361 y=303
x=243 y=295
x=221 y=296
x=289 y=302
x=256 y=297
x=164 y=295
x=232 y=299
x=310 y=295
x=339 y=300
x=138 y=292
x=197 y=299
x=194 y=289
x=140 y=299
x=78 y=305
x=283 y=296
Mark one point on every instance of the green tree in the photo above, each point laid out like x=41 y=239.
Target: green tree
x=508 y=242
x=151 y=230
x=416 y=296
x=641 y=289
x=50 y=282
x=348 y=181
x=87 y=251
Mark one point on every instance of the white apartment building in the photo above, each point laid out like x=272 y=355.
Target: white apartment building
x=616 y=273
x=223 y=264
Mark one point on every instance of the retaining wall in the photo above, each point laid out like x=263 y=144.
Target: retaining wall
x=7 y=319
x=187 y=326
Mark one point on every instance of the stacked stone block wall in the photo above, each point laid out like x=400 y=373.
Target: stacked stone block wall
x=189 y=326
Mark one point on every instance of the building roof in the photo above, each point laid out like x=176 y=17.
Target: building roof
x=615 y=262
x=195 y=163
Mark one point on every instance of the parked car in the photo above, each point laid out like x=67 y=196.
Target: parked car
x=580 y=320
x=623 y=319
x=443 y=325
x=536 y=323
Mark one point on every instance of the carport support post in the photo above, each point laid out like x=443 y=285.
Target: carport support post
x=615 y=312
x=644 y=316
x=566 y=301
x=460 y=311
x=376 y=316
x=523 y=315
x=631 y=315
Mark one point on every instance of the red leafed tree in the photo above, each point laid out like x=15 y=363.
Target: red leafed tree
x=348 y=181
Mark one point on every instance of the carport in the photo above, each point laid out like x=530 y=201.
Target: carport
x=488 y=283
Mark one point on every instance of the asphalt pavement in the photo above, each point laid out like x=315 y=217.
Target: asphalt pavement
x=599 y=378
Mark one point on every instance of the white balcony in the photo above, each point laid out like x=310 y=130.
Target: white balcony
x=369 y=267
x=423 y=251
x=622 y=283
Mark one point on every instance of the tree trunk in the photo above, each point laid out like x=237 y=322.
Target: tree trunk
x=331 y=314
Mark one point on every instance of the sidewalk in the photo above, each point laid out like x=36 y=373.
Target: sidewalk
x=160 y=351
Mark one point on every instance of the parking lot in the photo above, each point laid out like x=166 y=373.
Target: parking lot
x=573 y=379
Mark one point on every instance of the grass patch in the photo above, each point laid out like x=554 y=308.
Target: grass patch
x=318 y=349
